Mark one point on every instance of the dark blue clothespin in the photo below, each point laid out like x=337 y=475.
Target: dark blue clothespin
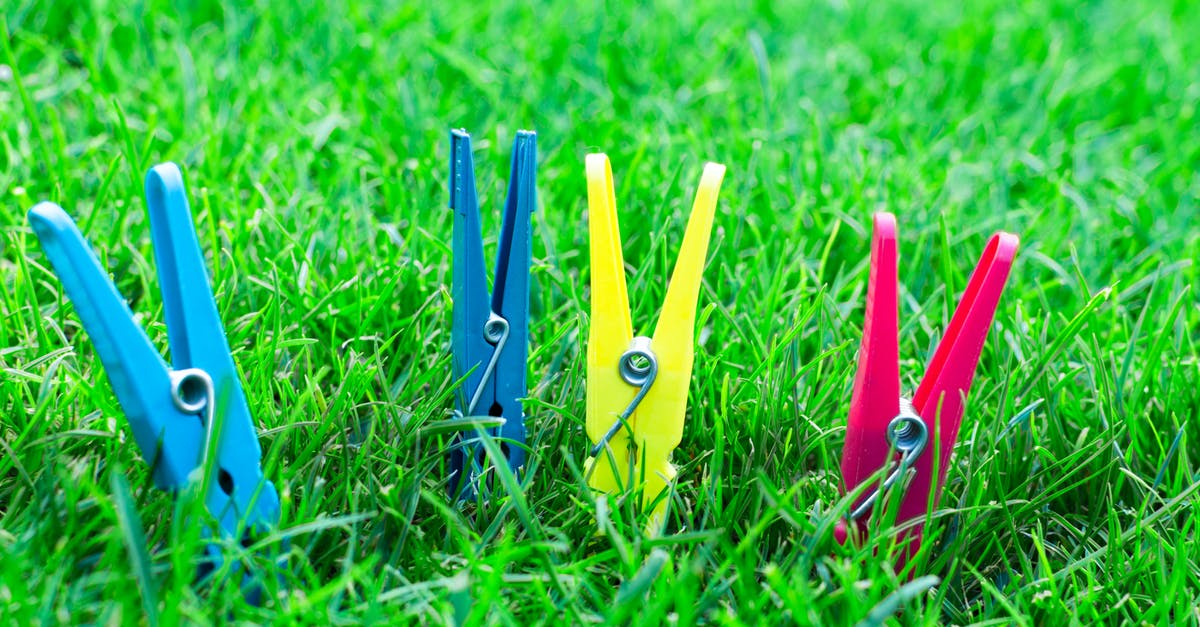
x=490 y=333
x=194 y=413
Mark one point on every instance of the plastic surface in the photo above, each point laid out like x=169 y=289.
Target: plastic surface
x=656 y=425
x=172 y=441
x=943 y=390
x=474 y=307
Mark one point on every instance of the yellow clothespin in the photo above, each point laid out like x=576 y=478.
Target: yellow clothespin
x=637 y=387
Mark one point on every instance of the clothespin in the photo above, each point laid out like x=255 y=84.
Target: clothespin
x=187 y=416
x=490 y=333
x=637 y=387
x=890 y=435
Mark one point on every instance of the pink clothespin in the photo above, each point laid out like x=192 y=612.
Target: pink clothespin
x=885 y=429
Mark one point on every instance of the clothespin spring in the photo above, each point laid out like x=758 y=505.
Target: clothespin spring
x=192 y=392
x=495 y=332
x=908 y=436
x=638 y=366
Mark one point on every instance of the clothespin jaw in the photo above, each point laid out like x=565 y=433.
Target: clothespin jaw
x=637 y=387
x=875 y=398
x=884 y=430
x=610 y=335
x=490 y=333
x=185 y=417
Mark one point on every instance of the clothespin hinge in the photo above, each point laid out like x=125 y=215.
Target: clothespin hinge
x=908 y=436
x=193 y=392
x=495 y=332
x=638 y=366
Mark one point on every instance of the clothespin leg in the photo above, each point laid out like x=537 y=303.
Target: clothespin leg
x=940 y=397
x=197 y=340
x=611 y=331
x=660 y=428
x=510 y=296
x=471 y=313
x=875 y=398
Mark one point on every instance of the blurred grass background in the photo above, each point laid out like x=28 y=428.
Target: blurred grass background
x=314 y=140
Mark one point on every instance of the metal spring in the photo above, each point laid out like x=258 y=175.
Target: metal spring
x=192 y=392
x=908 y=435
x=495 y=331
x=639 y=367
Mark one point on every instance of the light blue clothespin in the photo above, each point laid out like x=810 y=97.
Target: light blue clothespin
x=183 y=414
x=490 y=333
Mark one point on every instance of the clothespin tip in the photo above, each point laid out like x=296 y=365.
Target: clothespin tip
x=46 y=217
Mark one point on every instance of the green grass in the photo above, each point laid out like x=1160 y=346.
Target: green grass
x=314 y=142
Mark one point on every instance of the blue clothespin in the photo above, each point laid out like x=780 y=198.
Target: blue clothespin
x=490 y=334
x=185 y=415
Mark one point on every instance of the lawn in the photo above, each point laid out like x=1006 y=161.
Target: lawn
x=314 y=140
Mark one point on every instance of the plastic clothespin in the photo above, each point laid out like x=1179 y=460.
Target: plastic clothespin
x=490 y=333
x=886 y=430
x=637 y=387
x=191 y=414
